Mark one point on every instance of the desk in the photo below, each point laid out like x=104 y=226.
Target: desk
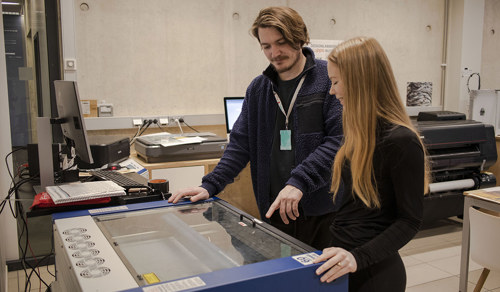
x=39 y=223
x=36 y=212
x=481 y=199
x=207 y=164
x=188 y=173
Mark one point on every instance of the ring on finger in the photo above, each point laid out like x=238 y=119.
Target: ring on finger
x=339 y=264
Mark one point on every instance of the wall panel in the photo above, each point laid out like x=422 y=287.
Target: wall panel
x=177 y=57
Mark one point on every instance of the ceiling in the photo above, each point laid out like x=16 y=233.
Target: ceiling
x=9 y=7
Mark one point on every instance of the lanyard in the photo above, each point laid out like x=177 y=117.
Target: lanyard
x=278 y=100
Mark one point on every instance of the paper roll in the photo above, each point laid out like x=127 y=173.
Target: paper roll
x=451 y=185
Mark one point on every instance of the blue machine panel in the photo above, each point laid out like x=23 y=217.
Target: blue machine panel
x=205 y=246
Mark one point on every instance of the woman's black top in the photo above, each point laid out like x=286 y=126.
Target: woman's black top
x=372 y=234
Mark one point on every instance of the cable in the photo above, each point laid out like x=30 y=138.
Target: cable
x=179 y=124
x=478 y=81
x=155 y=121
x=147 y=123
x=182 y=121
x=13 y=185
x=18 y=213
x=36 y=260
x=7 y=162
x=144 y=123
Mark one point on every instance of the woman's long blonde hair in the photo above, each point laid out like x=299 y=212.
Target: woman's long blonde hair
x=370 y=92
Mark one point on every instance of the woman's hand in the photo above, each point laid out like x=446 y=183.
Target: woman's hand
x=338 y=263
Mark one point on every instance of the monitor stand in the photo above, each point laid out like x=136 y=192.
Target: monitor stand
x=45 y=160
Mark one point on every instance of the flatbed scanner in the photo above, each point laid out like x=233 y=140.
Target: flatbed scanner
x=166 y=147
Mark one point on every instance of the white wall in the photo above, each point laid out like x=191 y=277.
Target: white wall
x=472 y=43
x=454 y=54
x=490 y=63
x=163 y=57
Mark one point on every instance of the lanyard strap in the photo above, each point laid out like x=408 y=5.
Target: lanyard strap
x=280 y=105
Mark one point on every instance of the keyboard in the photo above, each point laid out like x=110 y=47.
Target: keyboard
x=119 y=178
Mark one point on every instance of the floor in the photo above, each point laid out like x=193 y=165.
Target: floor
x=432 y=261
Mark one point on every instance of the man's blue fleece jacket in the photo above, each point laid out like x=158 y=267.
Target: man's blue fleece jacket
x=317 y=122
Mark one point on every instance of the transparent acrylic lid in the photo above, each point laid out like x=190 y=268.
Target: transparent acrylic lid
x=185 y=240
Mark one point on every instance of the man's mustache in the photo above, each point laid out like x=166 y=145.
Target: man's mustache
x=279 y=59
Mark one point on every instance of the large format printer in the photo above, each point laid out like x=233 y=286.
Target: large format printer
x=460 y=152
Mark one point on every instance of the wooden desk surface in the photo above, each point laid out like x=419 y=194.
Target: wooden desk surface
x=488 y=194
x=184 y=163
x=239 y=193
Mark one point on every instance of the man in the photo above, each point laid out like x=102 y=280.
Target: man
x=289 y=128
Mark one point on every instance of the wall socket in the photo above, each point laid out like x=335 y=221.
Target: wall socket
x=172 y=122
x=136 y=122
x=163 y=121
x=466 y=72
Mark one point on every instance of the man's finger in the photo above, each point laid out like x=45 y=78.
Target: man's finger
x=271 y=210
x=296 y=208
x=290 y=211
x=199 y=196
x=283 y=216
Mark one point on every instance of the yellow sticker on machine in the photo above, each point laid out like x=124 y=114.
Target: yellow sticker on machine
x=151 y=278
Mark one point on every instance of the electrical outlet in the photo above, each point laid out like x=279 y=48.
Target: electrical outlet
x=154 y=121
x=151 y=121
x=466 y=72
x=172 y=120
x=137 y=122
x=163 y=121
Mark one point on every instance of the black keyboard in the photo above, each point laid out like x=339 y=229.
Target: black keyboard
x=118 y=178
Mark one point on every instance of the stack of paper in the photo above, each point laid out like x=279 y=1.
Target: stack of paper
x=84 y=191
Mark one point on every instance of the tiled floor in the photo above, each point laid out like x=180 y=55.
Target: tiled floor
x=432 y=261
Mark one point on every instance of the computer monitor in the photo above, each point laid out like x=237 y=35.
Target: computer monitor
x=232 y=110
x=70 y=117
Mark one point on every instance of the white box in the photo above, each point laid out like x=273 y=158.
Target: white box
x=484 y=107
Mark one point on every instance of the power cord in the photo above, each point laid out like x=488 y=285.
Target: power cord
x=145 y=125
x=18 y=180
x=149 y=123
x=138 y=131
x=156 y=122
x=178 y=121
x=478 y=81
x=182 y=121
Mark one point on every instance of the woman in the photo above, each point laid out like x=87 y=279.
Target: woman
x=384 y=169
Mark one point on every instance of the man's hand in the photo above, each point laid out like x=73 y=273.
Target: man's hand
x=338 y=263
x=288 y=203
x=196 y=193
